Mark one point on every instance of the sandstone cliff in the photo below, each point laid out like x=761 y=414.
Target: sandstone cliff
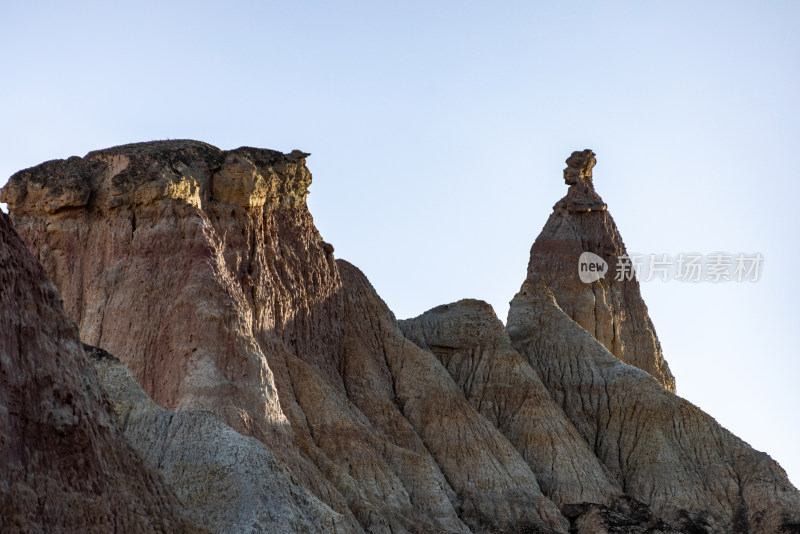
x=64 y=466
x=201 y=269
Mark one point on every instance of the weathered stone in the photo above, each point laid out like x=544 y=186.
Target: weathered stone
x=203 y=271
x=623 y=516
x=659 y=448
x=579 y=167
x=610 y=309
x=218 y=293
x=472 y=344
x=229 y=482
x=172 y=281
x=387 y=376
x=64 y=467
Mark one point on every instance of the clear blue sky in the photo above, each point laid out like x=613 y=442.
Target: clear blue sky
x=438 y=133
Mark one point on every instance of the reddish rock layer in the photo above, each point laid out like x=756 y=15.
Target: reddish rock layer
x=64 y=466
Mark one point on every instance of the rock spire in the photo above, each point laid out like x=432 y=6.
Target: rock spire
x=611 y=308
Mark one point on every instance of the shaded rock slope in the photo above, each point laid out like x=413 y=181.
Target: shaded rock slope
x=202 y=271
x=64 y=466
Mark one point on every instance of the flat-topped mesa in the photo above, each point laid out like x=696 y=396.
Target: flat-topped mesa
x=578 y=176
x=140 y=174
x=200 y=269
x=610 y=309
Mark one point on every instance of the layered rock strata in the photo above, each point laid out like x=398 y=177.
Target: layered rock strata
x=161 y=274
x=230 y=482
x=610 y=308
x=64 y=466
x=203 y=272
x=659 y=448
x=410 y=397
x=201 y=269
x=473 y=345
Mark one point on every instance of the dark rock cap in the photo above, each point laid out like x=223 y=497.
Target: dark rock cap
x=581 y=196
x=579 y=167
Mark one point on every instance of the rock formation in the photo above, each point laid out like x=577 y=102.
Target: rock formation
x=232 y=482
x=610 y=308
x=659 y=448
x=202 y=271
x=410 y=397
x=64 y=467
x=473 y=345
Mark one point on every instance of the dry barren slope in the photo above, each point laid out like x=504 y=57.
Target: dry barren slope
x=201 y=269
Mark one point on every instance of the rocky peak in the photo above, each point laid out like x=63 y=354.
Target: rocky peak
x=579 y=167
x=610 y=309
x=581 y=195
x=661 y=449
x=173 y=255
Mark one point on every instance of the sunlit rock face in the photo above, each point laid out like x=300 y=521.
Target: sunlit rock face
x=231 y=482
x=202 y=271
x=64 y=465
x=610 y=308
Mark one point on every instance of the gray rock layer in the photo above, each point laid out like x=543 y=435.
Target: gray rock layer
x=472 y=344
x=229 y=482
